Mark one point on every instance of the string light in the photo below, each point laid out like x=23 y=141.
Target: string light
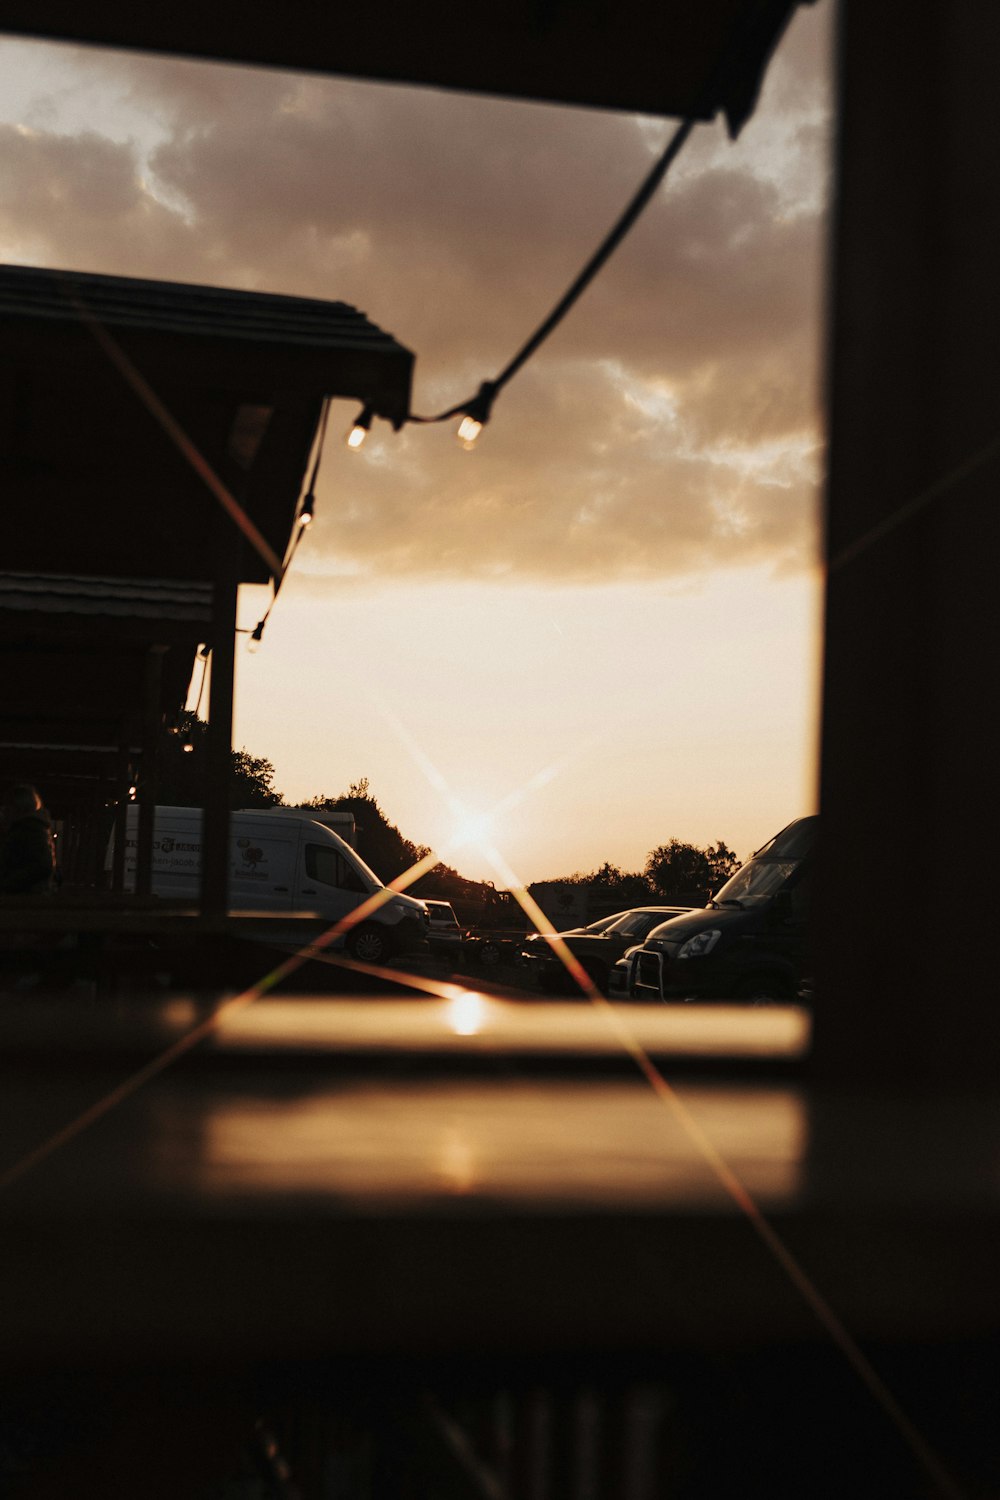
x=359 y=431
x=476 y=414
x=303 y=522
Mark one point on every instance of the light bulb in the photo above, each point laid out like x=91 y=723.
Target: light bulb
x=306 y=513
x=359 y=431
x=256 y=636
x=476 y=413
x=468 y=430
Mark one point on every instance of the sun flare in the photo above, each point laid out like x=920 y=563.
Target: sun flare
x=475 y=828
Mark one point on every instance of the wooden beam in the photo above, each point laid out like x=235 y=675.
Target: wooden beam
x=218 y=768
x=123 y=780
x=148 y=778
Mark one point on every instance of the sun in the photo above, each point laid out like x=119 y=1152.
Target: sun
x=471 y=828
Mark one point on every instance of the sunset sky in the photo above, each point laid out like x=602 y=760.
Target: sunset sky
x=606 y=615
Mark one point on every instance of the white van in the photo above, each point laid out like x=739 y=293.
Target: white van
x=279 y=861
x=342 y=823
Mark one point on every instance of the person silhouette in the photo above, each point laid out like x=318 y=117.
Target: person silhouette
x=27 y=847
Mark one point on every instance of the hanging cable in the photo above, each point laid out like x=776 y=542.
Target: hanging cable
x=475 y=411
x=302 y=523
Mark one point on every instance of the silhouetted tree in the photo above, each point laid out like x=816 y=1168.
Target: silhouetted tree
x=678 y=871
x=610 y=888
x=253 y=782
x=379 y=842
x=182 y=771
x=723 y=863
x=603 y=891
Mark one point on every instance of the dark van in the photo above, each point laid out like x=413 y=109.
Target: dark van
x=749 y=942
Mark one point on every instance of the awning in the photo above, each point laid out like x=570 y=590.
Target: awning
x=665 y=59
x=243 y=374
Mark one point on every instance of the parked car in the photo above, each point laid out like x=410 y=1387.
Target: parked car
x=621 y=976
x=603 y=923
x=488 y=949
x=749 y=943
x=444 y=934
x=597 y=950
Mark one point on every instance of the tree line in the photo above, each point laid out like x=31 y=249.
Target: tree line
x=673 y=872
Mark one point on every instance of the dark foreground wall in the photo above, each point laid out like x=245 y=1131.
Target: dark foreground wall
x=911 y=754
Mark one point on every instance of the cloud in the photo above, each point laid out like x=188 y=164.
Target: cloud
x=617 y=490
x=66 y=199
x=670 y=424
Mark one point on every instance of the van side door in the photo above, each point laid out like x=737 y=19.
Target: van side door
x=784 y=936
x=327 y=881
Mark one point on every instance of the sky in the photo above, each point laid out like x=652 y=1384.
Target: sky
x=603 y=621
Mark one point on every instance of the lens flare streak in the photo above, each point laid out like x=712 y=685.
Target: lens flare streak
x=772 y=1242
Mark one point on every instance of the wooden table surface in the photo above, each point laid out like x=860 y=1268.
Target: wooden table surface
x=345 y=1176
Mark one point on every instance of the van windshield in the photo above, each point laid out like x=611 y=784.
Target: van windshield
x=359 y=864
x=756 y=883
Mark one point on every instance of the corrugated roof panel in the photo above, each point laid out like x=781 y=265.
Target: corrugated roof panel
x=29 y=293
x=135 y=598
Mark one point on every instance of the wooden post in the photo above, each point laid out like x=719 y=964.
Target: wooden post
x=218 y=767
x=123 y=780
x=149 y=780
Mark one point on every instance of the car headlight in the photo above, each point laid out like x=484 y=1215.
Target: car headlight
x=699 y=945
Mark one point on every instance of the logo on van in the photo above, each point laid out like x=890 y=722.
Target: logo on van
x=166 y=846
x=251 y=856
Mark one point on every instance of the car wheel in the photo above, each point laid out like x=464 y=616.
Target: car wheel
x=489 y=953
x=368 y=944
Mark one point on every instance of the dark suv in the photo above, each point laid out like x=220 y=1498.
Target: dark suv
x=749 y=942
x=598 y=951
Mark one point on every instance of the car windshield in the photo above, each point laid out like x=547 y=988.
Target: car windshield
x=793 y=842
x=663 y=924
x=603 y=923
x=756 y=883
x=637 y=923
